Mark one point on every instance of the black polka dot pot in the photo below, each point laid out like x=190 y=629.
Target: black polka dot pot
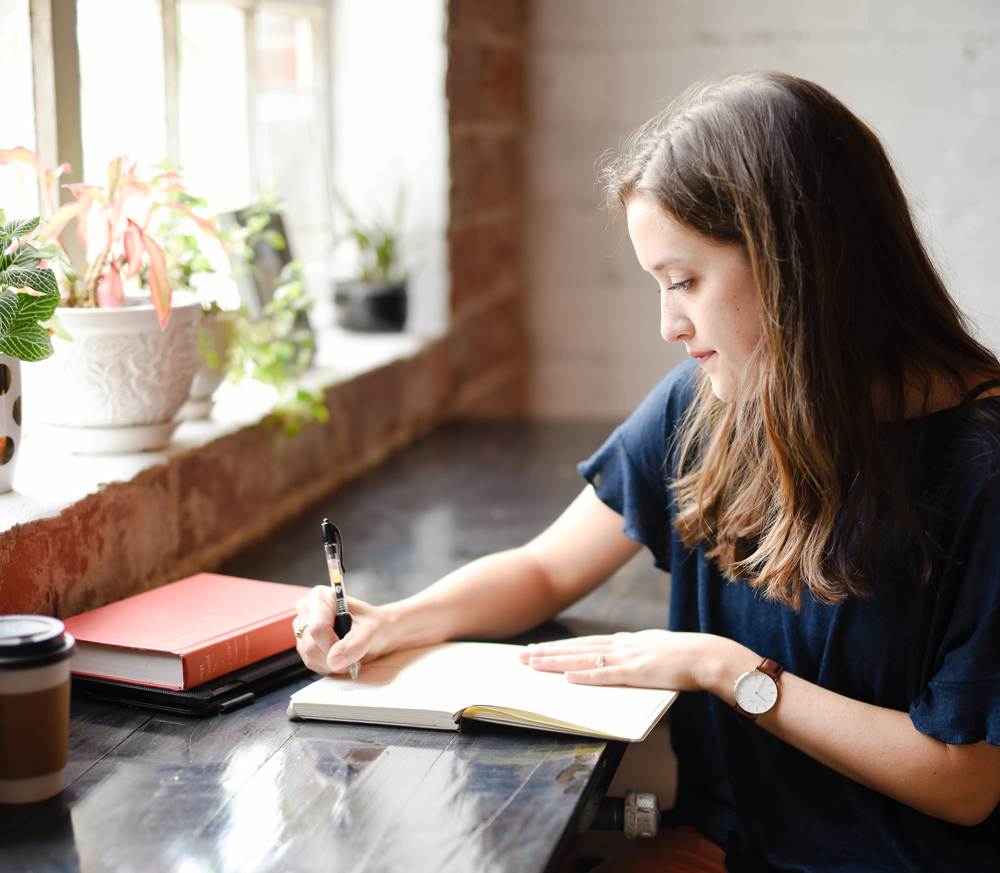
x=10 y=419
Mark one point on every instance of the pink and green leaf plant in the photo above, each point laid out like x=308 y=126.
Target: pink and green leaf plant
x=113 y=225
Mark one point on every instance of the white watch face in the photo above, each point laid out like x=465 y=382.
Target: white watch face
x=756 y=692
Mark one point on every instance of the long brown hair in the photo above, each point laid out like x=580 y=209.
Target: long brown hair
x=794 y=484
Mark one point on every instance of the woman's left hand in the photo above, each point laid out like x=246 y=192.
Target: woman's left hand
x=648 y=659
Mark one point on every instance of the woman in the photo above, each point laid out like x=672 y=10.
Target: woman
x=821 y=482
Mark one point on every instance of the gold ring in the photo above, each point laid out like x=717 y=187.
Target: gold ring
x=299 y=629
x=600 y=659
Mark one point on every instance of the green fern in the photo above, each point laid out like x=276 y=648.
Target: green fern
x=28 y=294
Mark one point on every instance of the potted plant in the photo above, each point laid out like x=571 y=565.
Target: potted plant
x=274 y=350
x=119 y=385
x=193 y=255
x=269 y=343
x=28 y=298
x=216 y=333
x=375 y=299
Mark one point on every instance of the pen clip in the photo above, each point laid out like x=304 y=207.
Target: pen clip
x=338 y=542
x=340 y=547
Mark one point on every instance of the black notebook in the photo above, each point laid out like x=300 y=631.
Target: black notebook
x=220 y=695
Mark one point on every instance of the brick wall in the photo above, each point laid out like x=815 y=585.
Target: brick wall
x=485 y=89
x=205 y=504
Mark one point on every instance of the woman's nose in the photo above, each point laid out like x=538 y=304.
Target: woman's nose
x=674 y=325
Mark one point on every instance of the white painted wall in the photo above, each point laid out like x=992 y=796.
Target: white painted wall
x=391 y=130
x=924 y=73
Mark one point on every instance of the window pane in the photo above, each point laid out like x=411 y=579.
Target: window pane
x=284 y=51
x=122 y=92
x=18 y=185
x=387 y=80
x=289 y=136
x=214 y=103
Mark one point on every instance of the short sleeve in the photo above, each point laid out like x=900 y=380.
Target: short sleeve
x=961 y=702
x=630 y=472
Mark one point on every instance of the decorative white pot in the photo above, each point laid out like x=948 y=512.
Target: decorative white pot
x=10 y=420
x=216 y=332
x=118 y=385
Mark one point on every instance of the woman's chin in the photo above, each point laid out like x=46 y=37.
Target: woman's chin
x=723 y=389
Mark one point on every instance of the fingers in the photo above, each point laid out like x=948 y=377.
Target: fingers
x=575 y=661
x=584 y=667
x=358 y=642
x=579 y=653
x=576 y=646
x=317 y=643
x=595 y=660
x=607 y=675
x=314 y=628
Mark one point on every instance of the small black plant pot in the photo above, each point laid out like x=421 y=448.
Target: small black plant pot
x=370 y=306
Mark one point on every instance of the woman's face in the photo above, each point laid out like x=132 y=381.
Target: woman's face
x=708 y=298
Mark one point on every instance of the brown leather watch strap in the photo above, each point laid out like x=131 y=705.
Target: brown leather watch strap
x=745 y=717
x=772 y=668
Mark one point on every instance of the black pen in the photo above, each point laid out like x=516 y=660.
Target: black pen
x=333 y=545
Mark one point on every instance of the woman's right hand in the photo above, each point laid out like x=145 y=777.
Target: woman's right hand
x=320 y=648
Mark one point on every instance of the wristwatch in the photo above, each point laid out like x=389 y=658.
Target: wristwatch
x=757 y=691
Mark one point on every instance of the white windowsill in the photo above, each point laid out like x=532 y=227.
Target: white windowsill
x=49 y=478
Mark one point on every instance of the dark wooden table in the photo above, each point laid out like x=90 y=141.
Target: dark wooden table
x=253 y=791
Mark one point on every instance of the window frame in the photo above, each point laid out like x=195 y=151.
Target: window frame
x=56 y=75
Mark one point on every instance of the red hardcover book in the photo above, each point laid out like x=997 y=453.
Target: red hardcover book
x=185 y=633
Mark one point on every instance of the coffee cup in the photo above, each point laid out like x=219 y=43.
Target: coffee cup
x=35 y=653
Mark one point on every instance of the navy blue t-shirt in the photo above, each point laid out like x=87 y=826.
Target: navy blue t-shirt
x=932 y=650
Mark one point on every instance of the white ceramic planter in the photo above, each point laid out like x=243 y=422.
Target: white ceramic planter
x=117 y=387
x=215 y=337
x=10 y=420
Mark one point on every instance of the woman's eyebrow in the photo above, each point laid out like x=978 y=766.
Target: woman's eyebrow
x=666 y=262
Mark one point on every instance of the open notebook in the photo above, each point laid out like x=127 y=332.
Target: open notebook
x=437 y=686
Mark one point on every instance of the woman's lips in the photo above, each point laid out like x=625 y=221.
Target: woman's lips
x=702 y=357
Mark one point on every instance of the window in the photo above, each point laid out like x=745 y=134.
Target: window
x=289 y=135
x=122 y=92
x=240 y=93
x=18 y=187
x=214 y=103
x=391 y=132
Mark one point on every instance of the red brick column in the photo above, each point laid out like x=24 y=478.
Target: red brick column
x=486 y=96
